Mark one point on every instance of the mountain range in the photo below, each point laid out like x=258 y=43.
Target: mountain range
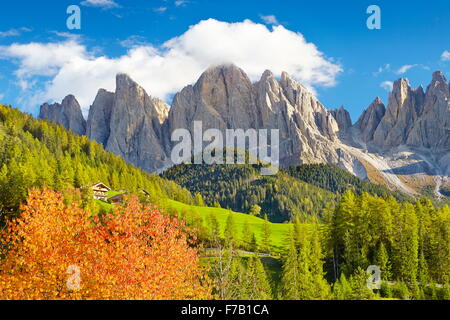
x=404 y=145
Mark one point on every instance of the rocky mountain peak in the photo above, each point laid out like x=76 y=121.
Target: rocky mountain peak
x=378 y=101
x=290 y=86
x=69 y=102
x=432 y=128
x=438 y=85
x=98 y=124
x=222 y=98
x=230 y=74
x=415 y=118
x=404 y=108
x=342 y=116
x=267 y=75
x=438 y=76
x=136 y=126
x=68 y=114
x=123 y=80
x=370 y=119
x=400 y=91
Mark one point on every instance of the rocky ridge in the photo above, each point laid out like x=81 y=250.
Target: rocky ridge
x=68 y=114
x=411 y=136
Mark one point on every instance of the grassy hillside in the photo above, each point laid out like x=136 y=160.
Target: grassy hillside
x=279 y=231
x=239 y=187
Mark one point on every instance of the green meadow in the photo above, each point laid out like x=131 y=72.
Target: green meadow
x=279 y=231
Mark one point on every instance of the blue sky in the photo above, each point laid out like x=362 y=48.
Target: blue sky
x=40 y=59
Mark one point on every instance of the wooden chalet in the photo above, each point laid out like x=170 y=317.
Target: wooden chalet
x=119 y=198
x=100 y=191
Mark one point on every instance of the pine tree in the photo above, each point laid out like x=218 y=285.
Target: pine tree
x=266 y=240
x=290 y=281
x=247 y=235
x=320 y=288
x=230 y=232
x=405 y=248
x=382 y=261
x=254 y=244
x=256 y=284
x=199 y=200
x=358 y=282
x=342 y=290
x=214 y=228
x=306 y=282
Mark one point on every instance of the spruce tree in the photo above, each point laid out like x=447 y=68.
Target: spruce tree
x=214 y=227
x=305 y=280
x=382 y=261
x=230 y=232
x=247 y=235
x=256 y=284
x=199 y=200
x=320 y=287
x=290 y=281
x=358 y=282
x=342 y=290
x=266 y=240
x=254 y=244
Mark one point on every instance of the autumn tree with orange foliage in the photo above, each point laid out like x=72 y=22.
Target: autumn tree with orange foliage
x=54 y=251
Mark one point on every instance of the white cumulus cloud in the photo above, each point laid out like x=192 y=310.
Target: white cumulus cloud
x=105 y=4
x=69 y=67
x=387 y=85
x=14 y=32
x=269 y=19
x=179 y=3
x=406 y=68
x=445 y=56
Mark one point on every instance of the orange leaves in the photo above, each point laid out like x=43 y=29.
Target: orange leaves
x=59 y=252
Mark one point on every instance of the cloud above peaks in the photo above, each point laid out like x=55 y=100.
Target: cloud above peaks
x=69 y=67
x=387 y=85
x=406 y=68
x=14 y=32
x=445 y=56
x=104 y=4
x=180 y=3
x=270 y=19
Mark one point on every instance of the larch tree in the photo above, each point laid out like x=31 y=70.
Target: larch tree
x=266 y=235
x=54 y=251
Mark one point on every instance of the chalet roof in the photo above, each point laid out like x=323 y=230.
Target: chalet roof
x=101 y=185
x=118 y=197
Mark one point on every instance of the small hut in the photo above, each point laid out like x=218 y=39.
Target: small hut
x=119 y=198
